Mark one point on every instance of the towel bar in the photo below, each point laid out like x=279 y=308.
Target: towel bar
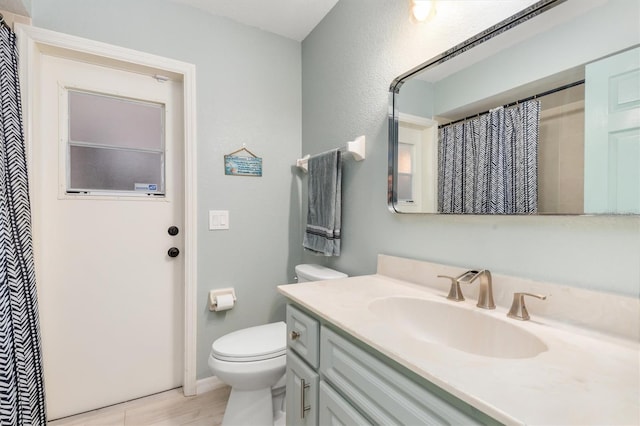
x=356 y=148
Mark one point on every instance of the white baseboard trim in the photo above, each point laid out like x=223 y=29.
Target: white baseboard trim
x=208 y=384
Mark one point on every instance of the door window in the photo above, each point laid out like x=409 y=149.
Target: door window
x=115 y=145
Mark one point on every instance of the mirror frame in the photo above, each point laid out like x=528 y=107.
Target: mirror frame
x=394 y=90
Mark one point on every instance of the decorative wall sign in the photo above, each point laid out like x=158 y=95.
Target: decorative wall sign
x=242 y=165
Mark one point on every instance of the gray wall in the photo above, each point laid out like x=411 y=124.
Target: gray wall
x=543 y=55
x=413 y=96
x=248 y=91
x=348 y=62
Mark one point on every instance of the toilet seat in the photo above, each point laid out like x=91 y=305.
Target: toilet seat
x=252 y=344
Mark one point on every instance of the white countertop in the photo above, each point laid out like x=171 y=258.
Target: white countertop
x=584 y=377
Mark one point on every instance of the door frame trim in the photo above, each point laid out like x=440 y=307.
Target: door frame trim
x=32 y=42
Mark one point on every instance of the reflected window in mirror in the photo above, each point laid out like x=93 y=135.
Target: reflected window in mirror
x=405 y=172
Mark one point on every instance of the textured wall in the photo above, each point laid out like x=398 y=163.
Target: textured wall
x=248 y=91
x=348 y=62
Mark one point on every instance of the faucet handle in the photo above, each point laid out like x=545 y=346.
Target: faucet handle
x=519 y=309
x=455 y=293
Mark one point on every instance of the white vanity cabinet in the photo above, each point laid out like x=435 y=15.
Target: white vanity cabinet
x=348 y=384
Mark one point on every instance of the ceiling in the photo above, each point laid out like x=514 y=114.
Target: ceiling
x=293 y=19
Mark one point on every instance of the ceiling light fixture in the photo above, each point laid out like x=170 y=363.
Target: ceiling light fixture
x=422 y=9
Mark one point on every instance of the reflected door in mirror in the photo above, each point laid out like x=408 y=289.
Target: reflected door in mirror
x=612 y=145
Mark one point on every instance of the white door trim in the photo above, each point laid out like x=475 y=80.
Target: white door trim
x=32 y=42
x=428 y=159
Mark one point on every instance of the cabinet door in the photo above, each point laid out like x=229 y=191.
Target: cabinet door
x=302 y=392
x=303 y=333
x=335 y=410
x=384 y=394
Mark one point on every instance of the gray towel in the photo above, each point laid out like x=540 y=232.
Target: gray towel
x=322 y=234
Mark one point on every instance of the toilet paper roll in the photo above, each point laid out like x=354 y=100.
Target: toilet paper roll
x=223 y=302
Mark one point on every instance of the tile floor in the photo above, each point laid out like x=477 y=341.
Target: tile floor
x=169 y=408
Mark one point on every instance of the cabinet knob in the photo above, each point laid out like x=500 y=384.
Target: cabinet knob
x=294 y=335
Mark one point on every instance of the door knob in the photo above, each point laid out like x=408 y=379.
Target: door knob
x=173 y=252
x=173 y=230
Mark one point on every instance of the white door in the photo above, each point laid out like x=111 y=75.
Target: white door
x=612 y=134
x=418 y=158
x=111 y=298
x=409 y=168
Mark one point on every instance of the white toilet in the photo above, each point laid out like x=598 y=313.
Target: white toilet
x=253 y=362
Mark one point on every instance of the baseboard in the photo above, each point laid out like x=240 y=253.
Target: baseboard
x=208 y=384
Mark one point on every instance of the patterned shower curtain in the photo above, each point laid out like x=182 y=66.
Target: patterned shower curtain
x=489 y=164
x=21 y=378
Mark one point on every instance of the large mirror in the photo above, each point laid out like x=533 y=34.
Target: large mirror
x=539 y=114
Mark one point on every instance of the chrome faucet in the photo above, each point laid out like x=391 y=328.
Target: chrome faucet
x=485 y=294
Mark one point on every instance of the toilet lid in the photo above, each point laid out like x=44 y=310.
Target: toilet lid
x=252 y=344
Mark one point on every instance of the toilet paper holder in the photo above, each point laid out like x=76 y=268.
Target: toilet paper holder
x=214 y=294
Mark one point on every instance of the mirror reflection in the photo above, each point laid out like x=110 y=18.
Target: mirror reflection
x=540 y=118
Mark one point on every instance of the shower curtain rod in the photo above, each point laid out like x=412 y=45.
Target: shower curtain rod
x=539 y=95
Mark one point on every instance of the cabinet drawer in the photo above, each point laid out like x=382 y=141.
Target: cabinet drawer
x=383 y=393
x=334 y=410
x=302 y=392
x=303 y=335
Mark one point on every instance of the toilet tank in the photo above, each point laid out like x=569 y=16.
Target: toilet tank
x=313 y=272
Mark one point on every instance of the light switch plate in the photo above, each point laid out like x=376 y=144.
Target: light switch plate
x=218 y=219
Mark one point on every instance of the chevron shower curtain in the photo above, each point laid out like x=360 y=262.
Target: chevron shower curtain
x=21 y=378
x=489 y=164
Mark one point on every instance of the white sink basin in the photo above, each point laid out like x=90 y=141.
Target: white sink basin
x=467 y=330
